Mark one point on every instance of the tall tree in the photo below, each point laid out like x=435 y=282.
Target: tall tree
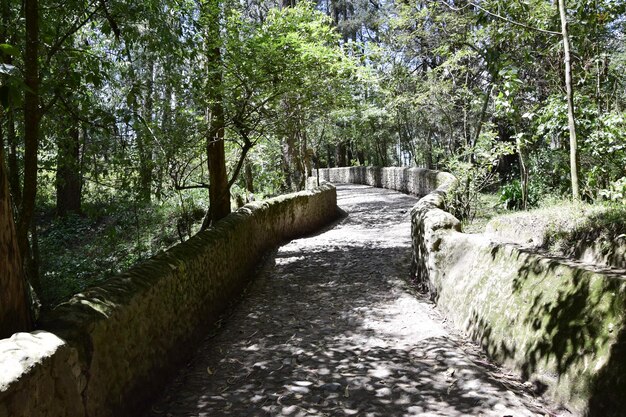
x=219 y=194
x=571 y=120
x=68 y=178
x=31 y=124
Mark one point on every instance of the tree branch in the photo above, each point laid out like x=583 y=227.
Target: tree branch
x=75 y=28
x=191 y=187
x=506 y=19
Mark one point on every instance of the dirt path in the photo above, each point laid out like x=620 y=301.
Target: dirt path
x=330 y=328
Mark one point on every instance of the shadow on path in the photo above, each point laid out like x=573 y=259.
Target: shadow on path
x=330 y=328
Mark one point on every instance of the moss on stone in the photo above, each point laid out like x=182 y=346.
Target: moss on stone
x=128 y=333
x=552 y=320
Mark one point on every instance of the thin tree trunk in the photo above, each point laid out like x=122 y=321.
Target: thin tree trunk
x=68 y=178
x=481 y=119
x=285 y=166
x=523 y=173
x=235 y=174
x=292 y=160
x=329 y=156
x=341 y=154
x=13 y=169
x=146 y=156
x=428 y=152
x=166 y=128
x=32 y=272
x=31 y=124
x=249 y=177
x=300 y=170
x=308 y=166
x=573 y=146
x=349 y=155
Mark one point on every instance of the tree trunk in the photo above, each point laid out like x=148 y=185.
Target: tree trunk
x=14 y=308
x=571 y=120
x=523 y=173
x=144 y=140
x=68 y=175
x=249 y=177
x=219 y=195
x=481 y=120
x=361 y=157
x=31 y=124
x=428 y=152
x=307 y=153
x=11 y=145
x=166 y=128
x=341 y=154
x=292 y=160
x=349 y=155
x=13 y=169
x=329 y=157
x=285 y=166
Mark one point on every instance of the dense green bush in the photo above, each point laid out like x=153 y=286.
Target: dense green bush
x=511 y=196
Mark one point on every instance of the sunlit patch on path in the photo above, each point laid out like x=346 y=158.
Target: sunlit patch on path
x=330 y=328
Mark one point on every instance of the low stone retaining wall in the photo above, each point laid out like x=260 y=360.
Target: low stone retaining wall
x=557 y=322
x=107 y=350
x=415 y=181
x=535 y=229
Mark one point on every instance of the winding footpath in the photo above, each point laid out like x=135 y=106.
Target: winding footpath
x=331 y=328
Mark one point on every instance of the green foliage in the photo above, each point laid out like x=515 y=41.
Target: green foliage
x=476 y=171
x=616 y=191
x=511 y=195
x=80 y=251
x=419 y=83
x=603 y=144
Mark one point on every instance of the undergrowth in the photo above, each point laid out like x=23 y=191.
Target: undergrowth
x=605 y=223
x=79 y=251
x=487 y=206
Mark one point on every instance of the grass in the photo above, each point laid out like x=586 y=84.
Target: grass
x=486 y=208
x=560 y=224
x=602 y=222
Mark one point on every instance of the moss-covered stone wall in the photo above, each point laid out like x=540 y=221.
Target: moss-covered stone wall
x=593 y=234
x=111 y=347
x=559 y=323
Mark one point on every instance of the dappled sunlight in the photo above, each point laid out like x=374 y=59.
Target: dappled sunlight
x=330 y=328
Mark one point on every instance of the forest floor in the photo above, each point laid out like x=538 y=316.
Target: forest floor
x=332 y=327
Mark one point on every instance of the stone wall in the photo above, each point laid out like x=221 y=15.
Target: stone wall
x=538 y=229
x=415 y=181
x=109 y=349
x=39 y=376
x=558 y=323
